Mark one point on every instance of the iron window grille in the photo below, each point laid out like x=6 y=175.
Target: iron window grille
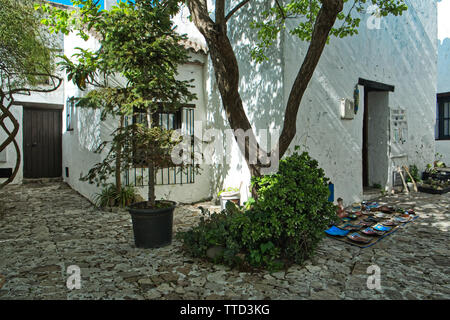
x=182 y=119
x=443 y=117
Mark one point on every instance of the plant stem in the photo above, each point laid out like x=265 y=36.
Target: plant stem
x=119 y=161
x=151 y=185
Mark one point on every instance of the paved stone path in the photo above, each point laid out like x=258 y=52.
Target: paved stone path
x=46 y=228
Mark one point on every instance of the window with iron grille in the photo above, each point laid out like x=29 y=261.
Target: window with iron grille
x=443 y=117
x=182 y=119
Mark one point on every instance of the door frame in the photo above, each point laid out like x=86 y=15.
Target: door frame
x=26 y=154
x=369 y=86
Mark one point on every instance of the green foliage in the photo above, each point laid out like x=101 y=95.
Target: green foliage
x=126 y=196
x=133 y=72
x=229 y=189
x=134 y=141
x=138 y=42
x=377 y=186
x=273 y=20
x=110 y=197
x=414 y=171
x=26 y=54
x=282 y=227
x=107 y=197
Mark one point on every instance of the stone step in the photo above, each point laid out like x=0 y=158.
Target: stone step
x=42 y=180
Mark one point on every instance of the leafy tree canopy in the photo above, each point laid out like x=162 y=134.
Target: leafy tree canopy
x=137 y=41
x=274 y=20
x=134 y=70
x=25 y=50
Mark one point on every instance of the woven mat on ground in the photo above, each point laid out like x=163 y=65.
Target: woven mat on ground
x=374 y=239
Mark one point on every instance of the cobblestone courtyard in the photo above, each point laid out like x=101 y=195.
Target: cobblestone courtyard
x=46 y=228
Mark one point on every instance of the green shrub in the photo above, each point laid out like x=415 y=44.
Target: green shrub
x=414 y=171
x=229 y=189
x=282 y=227
x=109 y=197
x=106 y=197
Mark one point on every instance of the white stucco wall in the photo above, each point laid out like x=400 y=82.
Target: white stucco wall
x=89 y=131
x=444 y=66
x=403 y=53
x=443 y=146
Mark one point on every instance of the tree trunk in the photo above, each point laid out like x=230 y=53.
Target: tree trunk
x=151 y=185
x=11 y=136
x=324 y=23
x=227 y=73
x=227 y=77
x=118 y=172
x=7 y=114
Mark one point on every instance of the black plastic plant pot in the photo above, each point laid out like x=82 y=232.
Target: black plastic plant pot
x=152 y=228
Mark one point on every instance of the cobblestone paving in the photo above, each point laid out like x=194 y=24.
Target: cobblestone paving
x=46 y=228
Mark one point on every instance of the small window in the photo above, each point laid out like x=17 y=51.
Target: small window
x=182 y=119
x=166 y=120
x=443 y=117
x=70 y=109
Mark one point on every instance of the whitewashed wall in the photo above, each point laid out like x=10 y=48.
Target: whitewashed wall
x=444 y=66
x=79 y=145
x=443 y=146
x=403 y=53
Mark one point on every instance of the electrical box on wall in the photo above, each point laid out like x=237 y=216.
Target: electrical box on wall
x=3 y=156
x=347 y=109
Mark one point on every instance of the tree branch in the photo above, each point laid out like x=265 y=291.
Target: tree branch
x=235 y=9
x=200 y=16
x=18 y=157
x=5 y=111
x=324 y=23
x=28 y=90
x=220 y=11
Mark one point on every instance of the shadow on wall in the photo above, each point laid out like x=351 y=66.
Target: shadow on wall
x=261 y=90
x=443 y=66
x=89 y=128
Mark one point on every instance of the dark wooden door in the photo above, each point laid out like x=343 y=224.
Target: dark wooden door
x=42 y=141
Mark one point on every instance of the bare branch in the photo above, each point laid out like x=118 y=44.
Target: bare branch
x=281 y=10
x=54 y=87
x=18 y=157
x=11 y=135
x=235 y=9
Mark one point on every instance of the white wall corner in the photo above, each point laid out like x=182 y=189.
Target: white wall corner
x=3 y=157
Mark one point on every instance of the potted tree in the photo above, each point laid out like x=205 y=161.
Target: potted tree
x=132 y=74
x=151 y=147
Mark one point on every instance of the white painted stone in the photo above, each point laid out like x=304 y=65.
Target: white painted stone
x=402 y=53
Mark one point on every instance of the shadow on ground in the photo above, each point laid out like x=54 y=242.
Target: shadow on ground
x=47 y=227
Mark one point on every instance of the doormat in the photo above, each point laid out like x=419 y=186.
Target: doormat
x=372 y=239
